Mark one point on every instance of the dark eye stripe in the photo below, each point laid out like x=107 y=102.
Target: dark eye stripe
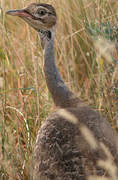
x=49 y=13
x=33 y=17
x=47 y=6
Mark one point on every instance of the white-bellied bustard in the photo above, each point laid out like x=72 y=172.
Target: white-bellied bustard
x=64 y=149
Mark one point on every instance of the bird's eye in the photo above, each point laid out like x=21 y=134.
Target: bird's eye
x=42 y=12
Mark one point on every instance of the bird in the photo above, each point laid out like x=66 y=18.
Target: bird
x=74 y=138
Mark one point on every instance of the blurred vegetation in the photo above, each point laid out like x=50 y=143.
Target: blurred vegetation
x=86 y=51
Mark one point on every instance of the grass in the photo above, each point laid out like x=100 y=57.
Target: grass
x=85 y=29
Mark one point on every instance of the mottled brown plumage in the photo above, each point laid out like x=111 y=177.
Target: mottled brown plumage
x=68 y=144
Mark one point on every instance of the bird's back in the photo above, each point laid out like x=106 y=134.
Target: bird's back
x=70 y=150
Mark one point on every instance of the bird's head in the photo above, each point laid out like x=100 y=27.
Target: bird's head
x=42 y=17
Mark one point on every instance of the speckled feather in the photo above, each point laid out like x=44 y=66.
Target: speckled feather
x=61 y=151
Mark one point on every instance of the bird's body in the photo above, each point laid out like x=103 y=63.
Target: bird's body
x=64 y=149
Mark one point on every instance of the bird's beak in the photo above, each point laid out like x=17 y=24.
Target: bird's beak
x=18 y=12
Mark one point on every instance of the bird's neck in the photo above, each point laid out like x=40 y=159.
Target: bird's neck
x=61 y=95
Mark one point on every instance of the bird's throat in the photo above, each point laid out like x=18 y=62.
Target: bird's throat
x=61 y=95
x=45 y=36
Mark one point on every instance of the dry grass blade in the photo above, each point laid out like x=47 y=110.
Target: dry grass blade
x=68 y=116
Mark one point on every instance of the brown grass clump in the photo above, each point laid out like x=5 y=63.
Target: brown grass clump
x=83 y=27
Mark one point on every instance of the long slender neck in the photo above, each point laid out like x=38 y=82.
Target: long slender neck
x=61 y=95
